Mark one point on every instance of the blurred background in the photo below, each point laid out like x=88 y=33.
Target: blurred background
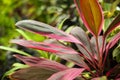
x=52 y=12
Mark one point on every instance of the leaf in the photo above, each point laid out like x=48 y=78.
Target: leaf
x=16 y=66
x=69 y=74
x=113 y=25
x=83 y=38
x=100 y=78
x=62 y=51
x=46 y=30
x=75 y=58
x=32 y=73
x=113 y=41
x=93 y=42
x=14 y=50
x=116 y=54
x=45 y=46
x=91 y=14
x=41 y=62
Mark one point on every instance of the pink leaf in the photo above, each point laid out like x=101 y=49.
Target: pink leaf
x=45 y=30
x=113 y=41
x=45 y=46
x=69 y=74
x=41 y=62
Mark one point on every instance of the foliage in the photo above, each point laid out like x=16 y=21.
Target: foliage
x=91 y=56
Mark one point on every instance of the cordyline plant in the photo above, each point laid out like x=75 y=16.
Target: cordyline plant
x=91 y=56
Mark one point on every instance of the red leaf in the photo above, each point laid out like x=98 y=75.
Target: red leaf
x=46 y=30
x=45 y=46
x=91 y=14
x=40 y=62
x=69 y=74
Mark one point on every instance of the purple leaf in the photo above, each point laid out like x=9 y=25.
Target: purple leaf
x=45 y=46
x=32 y=73
x=83 y=38
x=113 y=25
x=45 y=30
x=93 y=42
x=69 y=74
x=41 y=62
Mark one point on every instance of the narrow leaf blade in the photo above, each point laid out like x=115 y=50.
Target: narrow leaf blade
x=69 y=74
x=113 y=25
x=46 y=30
x=91 y=14
x=41 y=62
x=45 y=46
x=113 y=41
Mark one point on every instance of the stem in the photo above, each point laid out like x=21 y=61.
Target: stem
x=99 y=54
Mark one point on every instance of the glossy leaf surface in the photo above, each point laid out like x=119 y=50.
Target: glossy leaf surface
x=91 y=14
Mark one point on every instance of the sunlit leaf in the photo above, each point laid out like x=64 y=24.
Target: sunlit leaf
x=14 y=50
x=91 y=14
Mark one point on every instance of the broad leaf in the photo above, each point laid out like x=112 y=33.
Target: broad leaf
x=91 y=14
x=46 y=30
x=32 y=73
x=41 y=62
x=113 y=25
x=116 y=54
x=45 y=46
x=83 y=38
x=69 y=74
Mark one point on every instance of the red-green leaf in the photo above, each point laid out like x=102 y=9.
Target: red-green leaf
x=69 y=74
x=45 y=46
x=46 y=30
x=113 y=41
x=32 y=73
x=41 y=62
x=91 y=14
x=113 y=25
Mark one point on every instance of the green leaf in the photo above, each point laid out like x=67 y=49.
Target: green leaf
x=16 y=66
x=14 y=50
x=116 y=54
